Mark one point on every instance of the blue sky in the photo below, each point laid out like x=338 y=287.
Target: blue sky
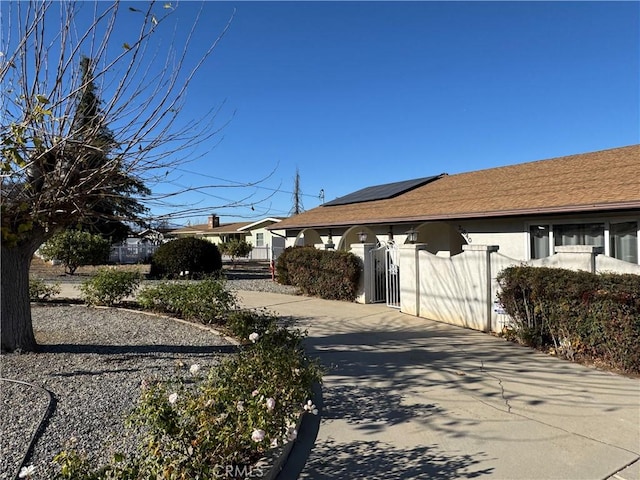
x=354 y=94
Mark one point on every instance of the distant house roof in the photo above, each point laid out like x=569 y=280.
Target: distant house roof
x=224 y=229
x=203 y=228
x=252 y=225
x=597 y=181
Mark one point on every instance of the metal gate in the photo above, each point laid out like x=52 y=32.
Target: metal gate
x=385 y=285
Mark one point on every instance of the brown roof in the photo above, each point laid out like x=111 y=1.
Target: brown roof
x=604 y=180
x=203 y=228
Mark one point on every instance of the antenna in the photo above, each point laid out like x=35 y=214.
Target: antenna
x=321 y=196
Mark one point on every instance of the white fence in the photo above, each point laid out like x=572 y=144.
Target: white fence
x=462 y=290
x=139 y=253
x=136 y=253
x=264 y=253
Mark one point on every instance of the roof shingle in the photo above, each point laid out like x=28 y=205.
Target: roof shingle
x=603 y=180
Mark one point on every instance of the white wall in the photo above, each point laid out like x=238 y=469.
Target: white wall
x=462 y=290
x=509 y=234
x=455 y=290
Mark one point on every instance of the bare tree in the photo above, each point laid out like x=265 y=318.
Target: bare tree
x=57 y=167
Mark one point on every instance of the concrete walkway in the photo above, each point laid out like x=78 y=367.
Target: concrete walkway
x=408 y=398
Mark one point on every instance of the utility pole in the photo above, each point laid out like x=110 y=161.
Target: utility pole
x=296 y=196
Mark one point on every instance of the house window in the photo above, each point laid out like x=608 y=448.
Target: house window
x=259 y=239
x=579 y=234
x=623 y=238
x=539 y=235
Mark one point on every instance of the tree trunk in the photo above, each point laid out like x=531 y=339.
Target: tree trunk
x=16 y=328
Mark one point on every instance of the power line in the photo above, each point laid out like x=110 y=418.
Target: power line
x=241 y=184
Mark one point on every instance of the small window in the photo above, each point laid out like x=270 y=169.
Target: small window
x=624 y=241
x=259 y=239
x=539 y=235
x=579 y=234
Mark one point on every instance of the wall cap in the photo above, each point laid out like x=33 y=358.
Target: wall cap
x=578 y=249
x=413 y=246
x=480 y=248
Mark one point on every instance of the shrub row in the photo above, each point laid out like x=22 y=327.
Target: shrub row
x=199 y=424
x=578 y=314
x=206 y=301
x=322 y=273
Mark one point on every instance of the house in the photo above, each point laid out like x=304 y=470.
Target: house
x=434 y=246
x=526 y=209
x=256 y=233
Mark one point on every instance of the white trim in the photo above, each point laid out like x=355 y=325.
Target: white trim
x=607 y=238
x=264 y=220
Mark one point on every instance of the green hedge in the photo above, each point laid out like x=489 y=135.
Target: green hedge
x=322 y=273
x=206 y=301
x=186 y=258
x=578 y=314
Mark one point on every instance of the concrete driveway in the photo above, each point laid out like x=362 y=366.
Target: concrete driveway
x=409 y=398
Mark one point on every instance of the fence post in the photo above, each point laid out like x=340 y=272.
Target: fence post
x=482 y=254
x=578 y=257
x=410 y=278
x=363 y=252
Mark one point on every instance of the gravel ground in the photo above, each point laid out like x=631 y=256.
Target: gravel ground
x=93 y=362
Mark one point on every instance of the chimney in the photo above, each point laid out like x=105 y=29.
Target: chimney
x=214 y=221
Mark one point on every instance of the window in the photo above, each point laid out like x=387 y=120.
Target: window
x=619 y=240
x=579 y=234
x=539 y=235
x=624 y=241
x=259 y=239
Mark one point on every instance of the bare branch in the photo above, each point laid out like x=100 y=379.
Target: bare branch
x=49 y=153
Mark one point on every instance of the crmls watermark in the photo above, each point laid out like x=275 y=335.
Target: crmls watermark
x=237 y=471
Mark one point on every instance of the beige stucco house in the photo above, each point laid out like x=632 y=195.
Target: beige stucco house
x=434 y=246
x=256 y=233
x=526 y=209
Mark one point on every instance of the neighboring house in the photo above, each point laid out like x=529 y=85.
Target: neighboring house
x=434 y=246
x=255 y=233
x=139 y=247
x=527 y=209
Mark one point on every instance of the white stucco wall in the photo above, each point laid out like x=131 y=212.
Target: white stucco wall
x=509 y=234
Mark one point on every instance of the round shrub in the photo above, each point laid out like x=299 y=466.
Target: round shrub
x=186 y=258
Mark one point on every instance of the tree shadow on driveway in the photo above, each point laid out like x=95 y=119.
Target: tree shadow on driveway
x=379 y=460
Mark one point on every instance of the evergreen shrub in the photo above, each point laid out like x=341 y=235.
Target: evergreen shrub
x=326 y=274
x=205 y=301
x=109 y=286
x=577 y=314
x=186 y=258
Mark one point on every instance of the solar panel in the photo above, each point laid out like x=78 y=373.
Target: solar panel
x=381 y=192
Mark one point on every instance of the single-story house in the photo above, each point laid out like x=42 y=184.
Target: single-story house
x=527 y=209
x=434 y=246
x=256 y=233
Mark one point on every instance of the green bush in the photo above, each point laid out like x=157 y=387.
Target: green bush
x=196 y=425
x=322 y=273
x=236 y=249
x=578 y=314
x=40 y=291
x=206 y=301
x=186 y=258
x=109 y=286
x=242 y=323
x=75 y=248
x=282 y=274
